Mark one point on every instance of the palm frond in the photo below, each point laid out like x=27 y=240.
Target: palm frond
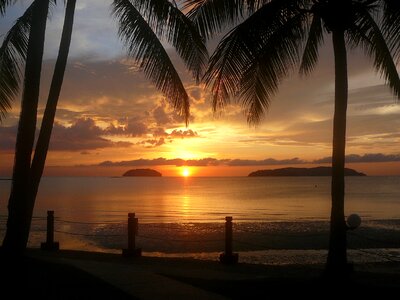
x=169 y=23
x=274 y=60
x=253 y=57
x=369 y=36
x=12 y=56
x=226 y=65
x=144 y=46
x=310 y=52
x=211 y=16
x=391 y=24
x=4 y=4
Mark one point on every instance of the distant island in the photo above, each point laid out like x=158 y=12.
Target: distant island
x=142 y=172
x=317 y=171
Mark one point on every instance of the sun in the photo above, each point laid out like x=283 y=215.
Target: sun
x=185 y=172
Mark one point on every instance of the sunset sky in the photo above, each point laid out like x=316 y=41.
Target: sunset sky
x=111 y=118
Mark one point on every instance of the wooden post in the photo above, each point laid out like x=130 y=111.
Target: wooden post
x=50 y=245
x=228 y=235
x=228 y=257
x=133 y=224
x=132 y=231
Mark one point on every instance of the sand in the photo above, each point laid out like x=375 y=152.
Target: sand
x=89 y=275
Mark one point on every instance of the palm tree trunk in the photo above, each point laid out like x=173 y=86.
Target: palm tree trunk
x=337 y=256
x=19 y=213
x=46 y=128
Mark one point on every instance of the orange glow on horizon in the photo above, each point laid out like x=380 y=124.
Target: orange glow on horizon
x=371 y=169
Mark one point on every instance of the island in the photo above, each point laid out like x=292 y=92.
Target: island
x=317 y=171
x=142 y=172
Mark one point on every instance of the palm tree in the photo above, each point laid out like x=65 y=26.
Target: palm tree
x=43 y=141
x=19 y=213
x=141 y=25
x=272 y=37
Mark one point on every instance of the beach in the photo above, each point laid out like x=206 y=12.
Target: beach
x=276 y=221
x=90 y=275
x=280 y=231
x=126 y=160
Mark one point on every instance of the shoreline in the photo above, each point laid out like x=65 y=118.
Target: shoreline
x=271 y=243
x=183 y=278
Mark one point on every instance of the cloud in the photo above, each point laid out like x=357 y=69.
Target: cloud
x=129 y=127
x=201 y=162
x=176 y=133
x=164 y=115
x=143 y=162
x=366 y=158
x=352 y=158
x=161 y=116
x=265 y=162
x=7 y=137
x=152 y=143
x=183 y=133
x=82 y=135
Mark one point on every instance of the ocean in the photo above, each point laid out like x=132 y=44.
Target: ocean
x=272 y=216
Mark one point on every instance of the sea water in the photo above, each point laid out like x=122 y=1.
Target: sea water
x=185 y=216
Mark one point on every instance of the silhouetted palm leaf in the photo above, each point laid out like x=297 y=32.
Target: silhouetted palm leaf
x=314 y=41
x=4 y=4
x=391 y=24
x=144 y=46
x=254 y=56
x=227 y=64
x=170 y=24
x=12 y=57
x=211 y=16
x=369 y=36
x=276 y=57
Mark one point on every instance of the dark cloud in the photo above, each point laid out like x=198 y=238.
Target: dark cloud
x=136 y=128
x=82 y=135
x=353 y=158
x=366 y=158
x=266 y=162
x=129 y=127
x=160 y=132
x=176 y=133
x=164 y=115
x=7 y=137
x=205 y=162
x=160 y=115
x=143 y=162
x=152 y=143
x=201 y=162
x=183 y=133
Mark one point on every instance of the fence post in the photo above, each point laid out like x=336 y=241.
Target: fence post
x=133 y=225
x=228 y=257
x=50 y=245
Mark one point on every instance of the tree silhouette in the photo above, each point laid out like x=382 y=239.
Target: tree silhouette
x=141 y=25
x=19 y=208
x=272 y=37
